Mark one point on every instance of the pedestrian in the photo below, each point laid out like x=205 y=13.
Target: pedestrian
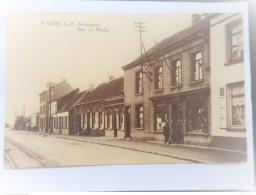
x=166 y=131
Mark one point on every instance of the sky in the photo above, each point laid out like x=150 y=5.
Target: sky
x=82 y=48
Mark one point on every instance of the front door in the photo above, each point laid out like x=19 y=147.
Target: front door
x=177 y=123
x=127 y=121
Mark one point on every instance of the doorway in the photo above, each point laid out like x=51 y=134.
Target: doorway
x=177 y=123
x=127 y=121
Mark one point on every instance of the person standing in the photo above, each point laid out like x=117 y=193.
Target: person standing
x=166 y=131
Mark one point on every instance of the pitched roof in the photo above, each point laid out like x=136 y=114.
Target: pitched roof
x=105 y=90
x=72 y=101
x=171 y=41
x=61 y=101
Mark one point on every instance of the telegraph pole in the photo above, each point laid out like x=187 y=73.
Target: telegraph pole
x=140 y=27
x=50 y=85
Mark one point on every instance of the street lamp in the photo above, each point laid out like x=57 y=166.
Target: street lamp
x=50 y=85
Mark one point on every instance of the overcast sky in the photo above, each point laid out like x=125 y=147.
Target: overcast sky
x=38 y=51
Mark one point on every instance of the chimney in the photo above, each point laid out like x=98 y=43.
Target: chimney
x=110 y=78
x=196 y=18
x=91 y=87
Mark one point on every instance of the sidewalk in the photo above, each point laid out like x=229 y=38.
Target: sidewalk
x=183 y=152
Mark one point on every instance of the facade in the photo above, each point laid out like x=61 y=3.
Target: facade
x=171 y=83
x=227 y=82
x=58 y=90
x=61 y=112
x=100 y=112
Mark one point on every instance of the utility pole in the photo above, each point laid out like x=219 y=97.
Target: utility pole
x=140 y=27
x=50 y=85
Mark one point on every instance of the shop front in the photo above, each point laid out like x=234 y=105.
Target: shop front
x=187 y=115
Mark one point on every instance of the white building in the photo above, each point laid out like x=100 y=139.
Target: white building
x=227 y=82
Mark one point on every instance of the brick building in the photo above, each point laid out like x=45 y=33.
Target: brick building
x=62 y=112
x=58 y=90
x=171 y=82
x=100 y=112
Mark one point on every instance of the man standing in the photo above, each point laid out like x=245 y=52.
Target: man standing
x=166 y=131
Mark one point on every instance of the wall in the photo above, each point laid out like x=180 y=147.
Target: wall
x=223 y=74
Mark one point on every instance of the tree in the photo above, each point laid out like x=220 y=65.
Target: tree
x=20 y=123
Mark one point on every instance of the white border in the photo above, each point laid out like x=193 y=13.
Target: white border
x=127 y=177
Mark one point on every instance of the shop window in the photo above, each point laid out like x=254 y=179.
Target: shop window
x=196 y=66
x=139 y=82
x=235 y=44
x=158 y=77
x=197 y=116
x=160 y=117
x=139 y=116
x=176 y=72
x=236 y=105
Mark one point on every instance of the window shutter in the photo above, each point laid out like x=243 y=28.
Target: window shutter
x=106 y=120
x=223 y=122
x=96 y=120
x=117 y=119
x=82 y=119
x=85 y=121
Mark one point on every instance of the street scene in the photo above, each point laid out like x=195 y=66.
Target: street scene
x=23 y=151
x=108 y=89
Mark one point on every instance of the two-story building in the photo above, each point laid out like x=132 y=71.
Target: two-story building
x=171 y=83
x=228 y=82
x=57 y=90
x=101 y=113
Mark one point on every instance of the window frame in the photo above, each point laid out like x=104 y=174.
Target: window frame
x=137 y=116
x=137 y=78
x=173 y=70
x=229 y=96
x=229 y=44
x=156 y=77
x=192 y=75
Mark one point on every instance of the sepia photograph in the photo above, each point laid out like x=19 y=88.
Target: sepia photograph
x=117 y=89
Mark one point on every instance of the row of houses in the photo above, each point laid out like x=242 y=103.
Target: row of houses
x=193 y=80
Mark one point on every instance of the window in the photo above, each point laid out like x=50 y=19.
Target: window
x=196 y=65
x=160 y=116
x=176 y=72
x=139 y=82
x=235 y=43
x=139 y=116
x=197 y=115
x=236 y=99
x=159 y=77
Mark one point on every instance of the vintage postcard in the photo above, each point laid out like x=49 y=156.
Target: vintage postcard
x=105 y=89
x=125 y=96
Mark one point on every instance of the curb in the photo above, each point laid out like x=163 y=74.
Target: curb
x=138 y=150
